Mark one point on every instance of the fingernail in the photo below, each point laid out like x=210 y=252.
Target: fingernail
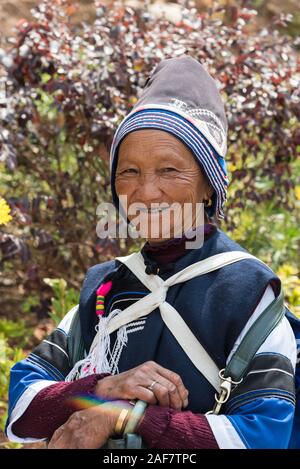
x=186 y=403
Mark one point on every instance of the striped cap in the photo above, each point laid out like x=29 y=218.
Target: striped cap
x=202 y=129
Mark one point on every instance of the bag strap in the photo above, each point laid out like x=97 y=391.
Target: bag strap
x=233 y=373
x=255 y=337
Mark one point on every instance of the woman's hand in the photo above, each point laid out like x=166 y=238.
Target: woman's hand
x=167 y=388
x=88 y=429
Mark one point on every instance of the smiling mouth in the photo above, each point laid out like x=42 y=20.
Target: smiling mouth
x=153 y=210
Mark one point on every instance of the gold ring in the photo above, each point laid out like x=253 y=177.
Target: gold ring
x=152 y=385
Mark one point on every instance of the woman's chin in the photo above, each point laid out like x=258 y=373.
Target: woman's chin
x=157 y=228
x=155 y=234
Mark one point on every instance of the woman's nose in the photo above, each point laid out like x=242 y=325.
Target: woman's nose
x=149 y=188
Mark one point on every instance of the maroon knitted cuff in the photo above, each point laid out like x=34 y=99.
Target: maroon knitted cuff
x=166 y=428
x=51 y=407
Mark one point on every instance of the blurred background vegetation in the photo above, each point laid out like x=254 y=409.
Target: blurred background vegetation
x=69 y=73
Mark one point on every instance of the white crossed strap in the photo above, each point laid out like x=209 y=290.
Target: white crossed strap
x=173 y=320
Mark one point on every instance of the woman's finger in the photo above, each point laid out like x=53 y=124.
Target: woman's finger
x=176 y=380
x=175 y=400
x=145 y=394
x=55 y=442
x=161 y=393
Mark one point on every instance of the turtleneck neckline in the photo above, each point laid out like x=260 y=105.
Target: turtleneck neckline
x=172 y=249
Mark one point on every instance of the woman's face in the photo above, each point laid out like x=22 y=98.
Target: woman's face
x=155 y=168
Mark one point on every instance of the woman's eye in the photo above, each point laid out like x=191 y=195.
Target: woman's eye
x=129 y=171
x=169 y=169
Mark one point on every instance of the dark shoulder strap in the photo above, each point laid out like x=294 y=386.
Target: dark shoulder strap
x=254 y=338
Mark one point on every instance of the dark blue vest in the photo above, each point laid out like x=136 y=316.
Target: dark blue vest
x=216 y=307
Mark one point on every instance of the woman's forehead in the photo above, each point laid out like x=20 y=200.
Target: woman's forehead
x=152 y=141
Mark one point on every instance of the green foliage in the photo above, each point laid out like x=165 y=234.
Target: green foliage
x=30 y=303
x=17 y=332
x=8 y=357
x=63 y=300
x=290 y=277
x=265 y=226
x=269 y=232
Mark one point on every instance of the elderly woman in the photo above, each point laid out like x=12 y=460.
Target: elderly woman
x=169 y=149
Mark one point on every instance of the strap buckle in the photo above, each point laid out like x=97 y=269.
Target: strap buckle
x=226 y=386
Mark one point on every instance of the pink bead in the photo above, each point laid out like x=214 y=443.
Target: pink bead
x=100 y=313
x=104 y=288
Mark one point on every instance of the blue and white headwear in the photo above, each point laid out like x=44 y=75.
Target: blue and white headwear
x=181 y=98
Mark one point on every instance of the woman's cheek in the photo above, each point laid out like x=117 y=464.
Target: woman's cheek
x=122 y=187
x=185 y=191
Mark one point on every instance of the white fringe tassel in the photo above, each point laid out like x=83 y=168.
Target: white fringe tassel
x=100 y=359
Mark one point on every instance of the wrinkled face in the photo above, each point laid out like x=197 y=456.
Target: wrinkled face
x=156 y=170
